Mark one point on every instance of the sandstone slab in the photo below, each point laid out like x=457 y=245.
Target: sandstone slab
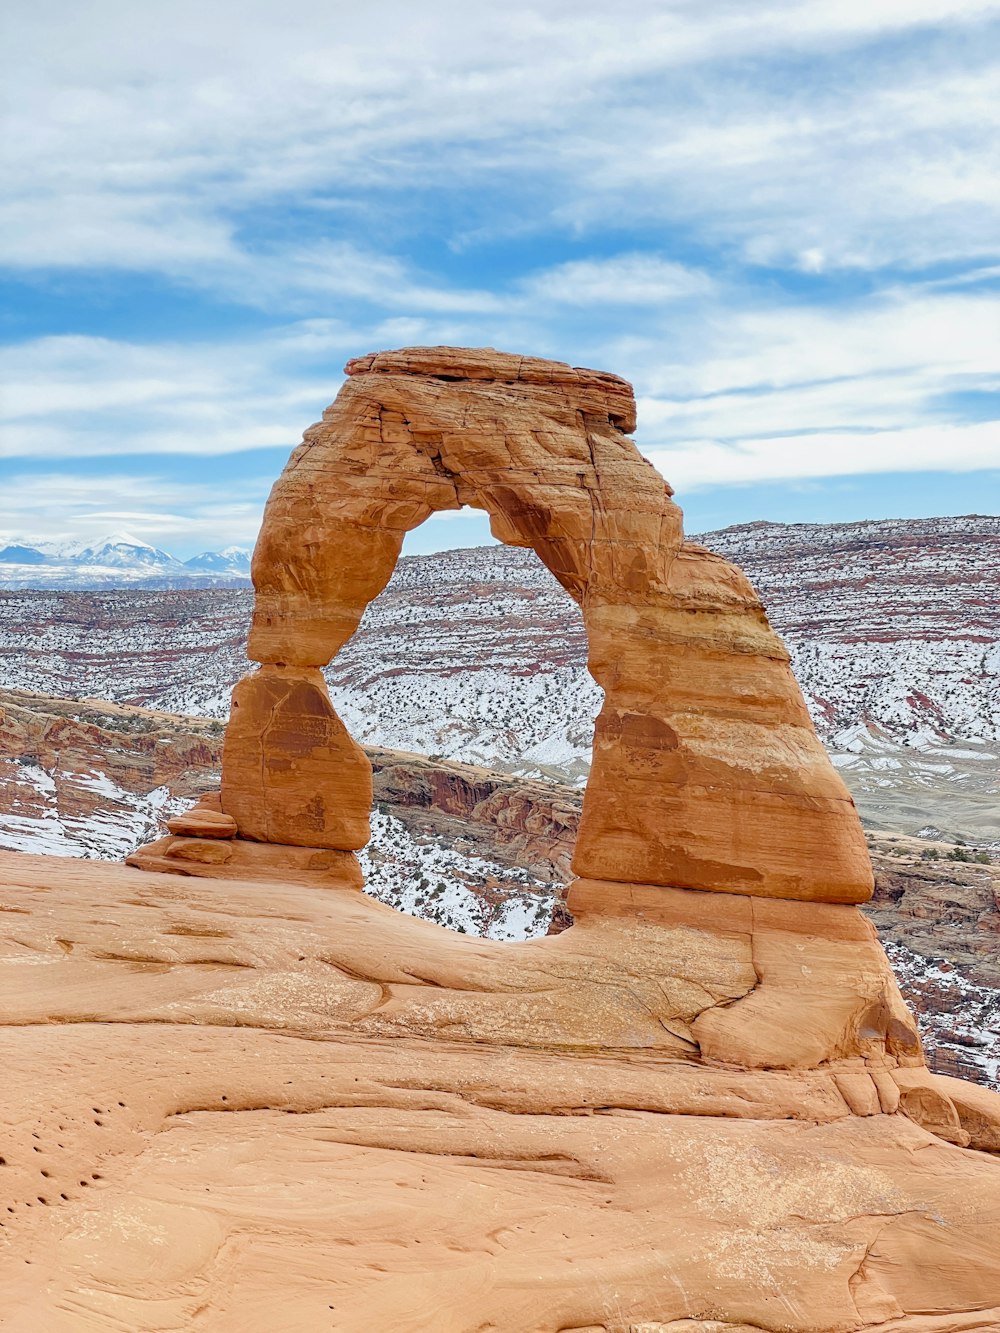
x=202 y=823
x=277 y=1108
x=238 y=858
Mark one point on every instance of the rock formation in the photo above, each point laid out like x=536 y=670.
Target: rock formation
x=707 y=772
x=703 y=1108
x=96 y=772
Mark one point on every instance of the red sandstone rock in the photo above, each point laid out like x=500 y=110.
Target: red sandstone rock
x=771 y=1151
x=324 y=868
x=290 y=771
x=208 y=850
x=135 y=749
x=707 y=771
x=202 y=823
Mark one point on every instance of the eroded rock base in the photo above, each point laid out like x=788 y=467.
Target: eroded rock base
x=237 y=858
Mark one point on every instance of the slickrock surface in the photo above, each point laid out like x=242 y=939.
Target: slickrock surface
x=242 y=1107
x=707 y=772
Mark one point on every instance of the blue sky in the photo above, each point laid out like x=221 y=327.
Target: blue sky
x=780 y=220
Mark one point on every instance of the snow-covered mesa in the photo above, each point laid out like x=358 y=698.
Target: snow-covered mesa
x=479 y=655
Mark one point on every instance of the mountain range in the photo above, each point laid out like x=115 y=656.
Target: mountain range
x=118 y=560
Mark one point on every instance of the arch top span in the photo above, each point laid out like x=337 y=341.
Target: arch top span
x=595 y=390
x=707 y=772
x=541 y=446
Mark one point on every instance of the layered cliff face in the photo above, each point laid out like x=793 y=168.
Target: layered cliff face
x=938 y=583
x=912 y=720
x=702 y=1108
x=78 y=778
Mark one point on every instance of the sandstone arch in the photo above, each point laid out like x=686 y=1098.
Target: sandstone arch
x=707 y=772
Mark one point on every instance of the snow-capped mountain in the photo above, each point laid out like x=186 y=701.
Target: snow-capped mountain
x=119 y=548
x=117 y=561
x=123 y=551
x=17 y=553
x=230 y=560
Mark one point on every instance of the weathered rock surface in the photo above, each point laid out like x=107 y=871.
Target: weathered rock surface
x=707 y=772
x=323 y=868
x=938 y=917
x=277 y=1108
x=203 y=822
x=290 y=771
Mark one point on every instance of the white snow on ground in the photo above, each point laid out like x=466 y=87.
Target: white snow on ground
x=419 y=876
x=430 y=880
x=122 y=822
x=964 y=1019
x=485 y=716
x=480 y=656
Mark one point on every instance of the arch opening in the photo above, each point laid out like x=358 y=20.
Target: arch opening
x=466 y=683
x=473 y=655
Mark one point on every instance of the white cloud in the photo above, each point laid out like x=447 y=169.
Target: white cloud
x=743 y=344
x=953 y=448
x=148 y=144
x=629 y=279
x=180 y=516
x=712 y=383
x=297 y=168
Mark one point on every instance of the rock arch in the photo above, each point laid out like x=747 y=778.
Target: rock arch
x=707 y=772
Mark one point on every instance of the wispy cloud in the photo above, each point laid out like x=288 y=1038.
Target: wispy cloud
x=623 y=280
x=175 y=514
x=700 y=463
x=723 y=383
x=812 y=132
